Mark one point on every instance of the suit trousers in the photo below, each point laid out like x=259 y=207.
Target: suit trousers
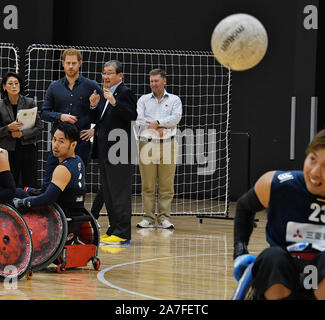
x=157 y=165
x=116 y=183
x=23 y=165
x=98 y=203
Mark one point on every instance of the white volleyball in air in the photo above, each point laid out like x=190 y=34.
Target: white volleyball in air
x=239 y=42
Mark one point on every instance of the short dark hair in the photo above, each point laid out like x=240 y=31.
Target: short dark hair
x=4 y=80
x=156 y=72
x=71 y=132
x=317 y=142
x=116 y=64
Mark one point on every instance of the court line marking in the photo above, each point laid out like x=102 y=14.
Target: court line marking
x=101 y=274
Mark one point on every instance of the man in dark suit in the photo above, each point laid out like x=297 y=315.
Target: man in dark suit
x=113 y=114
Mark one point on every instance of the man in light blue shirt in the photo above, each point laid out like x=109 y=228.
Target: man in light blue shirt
x=159 y=112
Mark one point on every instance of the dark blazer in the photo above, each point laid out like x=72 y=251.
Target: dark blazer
x=115 y=117
x=7 y=116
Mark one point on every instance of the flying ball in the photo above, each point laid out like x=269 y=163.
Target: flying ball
x=239 y=42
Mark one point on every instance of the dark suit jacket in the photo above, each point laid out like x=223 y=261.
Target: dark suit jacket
x=7 y=116
x=115 y=117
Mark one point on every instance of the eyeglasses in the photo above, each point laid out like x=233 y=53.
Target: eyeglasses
x=108 y=73
x=12 y=84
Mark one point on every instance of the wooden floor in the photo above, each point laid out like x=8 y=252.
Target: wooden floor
x=193 y=262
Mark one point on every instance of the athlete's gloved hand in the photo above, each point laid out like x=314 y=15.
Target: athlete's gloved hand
x=19 y=203
x=241 y=263
x=242 y=259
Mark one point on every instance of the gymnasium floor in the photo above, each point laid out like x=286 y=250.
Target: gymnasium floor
x=193 y=262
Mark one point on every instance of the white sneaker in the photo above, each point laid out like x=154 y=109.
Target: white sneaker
x=145 y=232
x=165 y=224
x=165 y=233
x=144 y=223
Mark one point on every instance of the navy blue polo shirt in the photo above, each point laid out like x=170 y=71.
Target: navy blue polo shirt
x=60 y=99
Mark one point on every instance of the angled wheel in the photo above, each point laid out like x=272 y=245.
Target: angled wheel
x=60 y=268
x=96 y=263
x=244 y=285
x=29 y=275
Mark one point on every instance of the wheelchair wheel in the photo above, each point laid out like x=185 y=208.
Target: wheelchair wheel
x=48 y=227
x=244 y=290
x=15 y=244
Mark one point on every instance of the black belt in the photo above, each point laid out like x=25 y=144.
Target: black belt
x=156 y=140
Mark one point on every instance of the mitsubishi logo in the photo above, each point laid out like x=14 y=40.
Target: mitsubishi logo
x=297 y=234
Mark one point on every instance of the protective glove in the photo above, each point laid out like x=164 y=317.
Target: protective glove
x=33 y=191
x=19 y=203
x=240 y=248
x=241 y=263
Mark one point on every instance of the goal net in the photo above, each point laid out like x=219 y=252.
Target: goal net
x=9 y=59
x=204 y=86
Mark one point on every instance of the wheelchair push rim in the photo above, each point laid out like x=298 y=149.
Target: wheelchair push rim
x=48 y=227
x=16 y=246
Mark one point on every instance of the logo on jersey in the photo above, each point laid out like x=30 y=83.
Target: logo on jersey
x=79 y=166
x=306 y=232
x=285 y=177
x=80 y=199
x=297 y=234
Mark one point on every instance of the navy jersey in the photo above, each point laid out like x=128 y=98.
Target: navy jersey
x=75 y=190
x=294 y=214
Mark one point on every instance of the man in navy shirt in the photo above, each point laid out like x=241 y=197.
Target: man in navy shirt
x=67 y=100
x=67 y=186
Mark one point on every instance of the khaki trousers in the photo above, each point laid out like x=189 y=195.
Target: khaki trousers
x=157 y=165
